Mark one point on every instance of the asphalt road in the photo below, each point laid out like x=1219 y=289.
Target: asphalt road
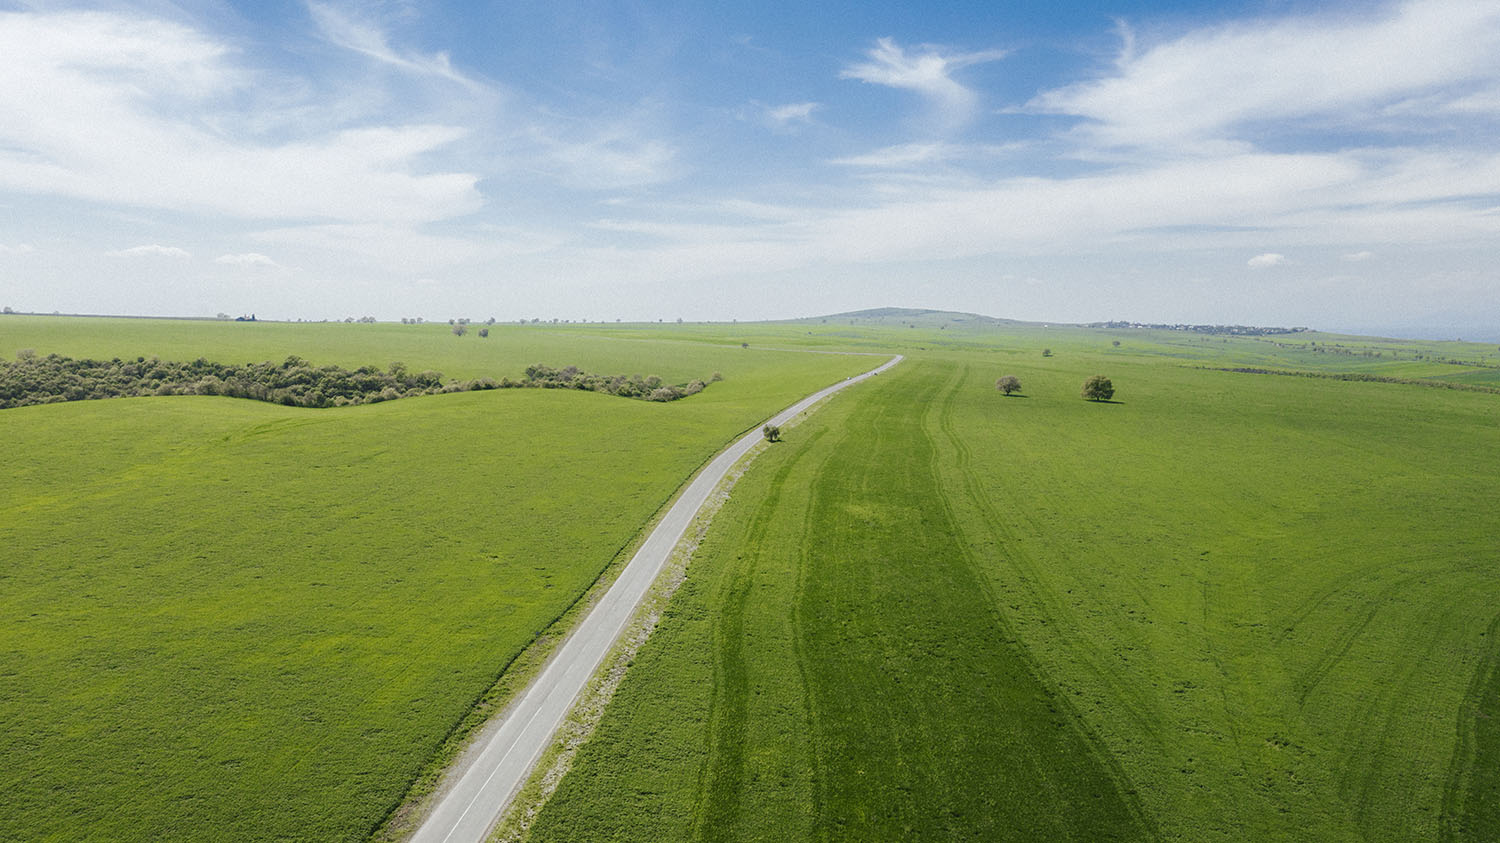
x=500 y=763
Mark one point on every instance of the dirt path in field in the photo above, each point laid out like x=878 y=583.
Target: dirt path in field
x=478 y=789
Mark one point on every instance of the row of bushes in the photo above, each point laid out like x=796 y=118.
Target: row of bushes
x=30 y=379
x=44 y=380
x=649 y=388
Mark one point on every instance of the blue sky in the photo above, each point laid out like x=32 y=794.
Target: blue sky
x=1323 y=164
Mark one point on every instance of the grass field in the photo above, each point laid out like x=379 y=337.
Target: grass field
x=1227 y=607
x=234 y=620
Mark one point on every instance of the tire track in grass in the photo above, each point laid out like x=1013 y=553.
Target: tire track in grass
x=993 y=519
x=1471 y=795
x=1124 y=687
x=1345 y=640
x=930 y=723
x=723 y=775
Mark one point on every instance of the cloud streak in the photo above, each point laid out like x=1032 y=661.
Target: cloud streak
x=152 y=250
x=927 y=72
x=248 y=260
x=368 y=39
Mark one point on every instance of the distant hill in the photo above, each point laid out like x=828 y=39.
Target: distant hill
x=914 y=316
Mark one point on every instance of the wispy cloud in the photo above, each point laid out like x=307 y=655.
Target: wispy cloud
x=248 y=260
x=611 y=157
x=781 y=117
x=18 y=249
x=927 y=72
x=1357 y=257
x=1213 y=84
x=152 y=250
x=1265 y=260
x=933 y=152
x=365 y=37
x=793 y=111
x=95 y=110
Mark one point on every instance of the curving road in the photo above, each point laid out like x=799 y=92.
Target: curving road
x=499 y=765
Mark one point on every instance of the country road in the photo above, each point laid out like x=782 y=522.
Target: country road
x=474 y=797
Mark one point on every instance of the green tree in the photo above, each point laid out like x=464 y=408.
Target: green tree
x=1098 y=388
x=1008 y=384
x=772 y=432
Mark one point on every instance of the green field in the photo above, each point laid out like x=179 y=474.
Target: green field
x=1226 y=606
x=234 y=620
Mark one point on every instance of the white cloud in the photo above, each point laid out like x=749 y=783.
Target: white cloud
x=1205 y=85
x=616 y=156
x=1231 y=203
x=800 y=111
x=780 y=118
x=1262 y=261
x=152 y=250
x=247 y=260
x=1356 y=257
x=383 y=250
x=915 y=154
x=94 y=109
x=926 y=73
x=18 y=249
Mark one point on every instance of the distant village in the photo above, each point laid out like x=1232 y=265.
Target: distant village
x=1238 y=330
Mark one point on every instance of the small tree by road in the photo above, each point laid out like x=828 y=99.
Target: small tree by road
x=772 y=432
x=1098 y=388
x=1008 y=384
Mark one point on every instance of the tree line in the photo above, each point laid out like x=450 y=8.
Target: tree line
x=33 y=379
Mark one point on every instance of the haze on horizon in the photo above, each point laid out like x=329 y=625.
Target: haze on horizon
x=1274 y=162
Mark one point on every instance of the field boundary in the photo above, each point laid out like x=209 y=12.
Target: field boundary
x=1355 y=377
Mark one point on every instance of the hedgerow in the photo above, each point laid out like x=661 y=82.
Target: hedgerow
x=30 y=379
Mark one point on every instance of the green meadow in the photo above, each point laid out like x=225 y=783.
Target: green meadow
x=235 y=620
x=1225 y=607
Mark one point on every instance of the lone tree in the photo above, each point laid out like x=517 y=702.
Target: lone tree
x=1008 y=384
x=1046 y=352
x=1098 y=388
x=772 y=432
